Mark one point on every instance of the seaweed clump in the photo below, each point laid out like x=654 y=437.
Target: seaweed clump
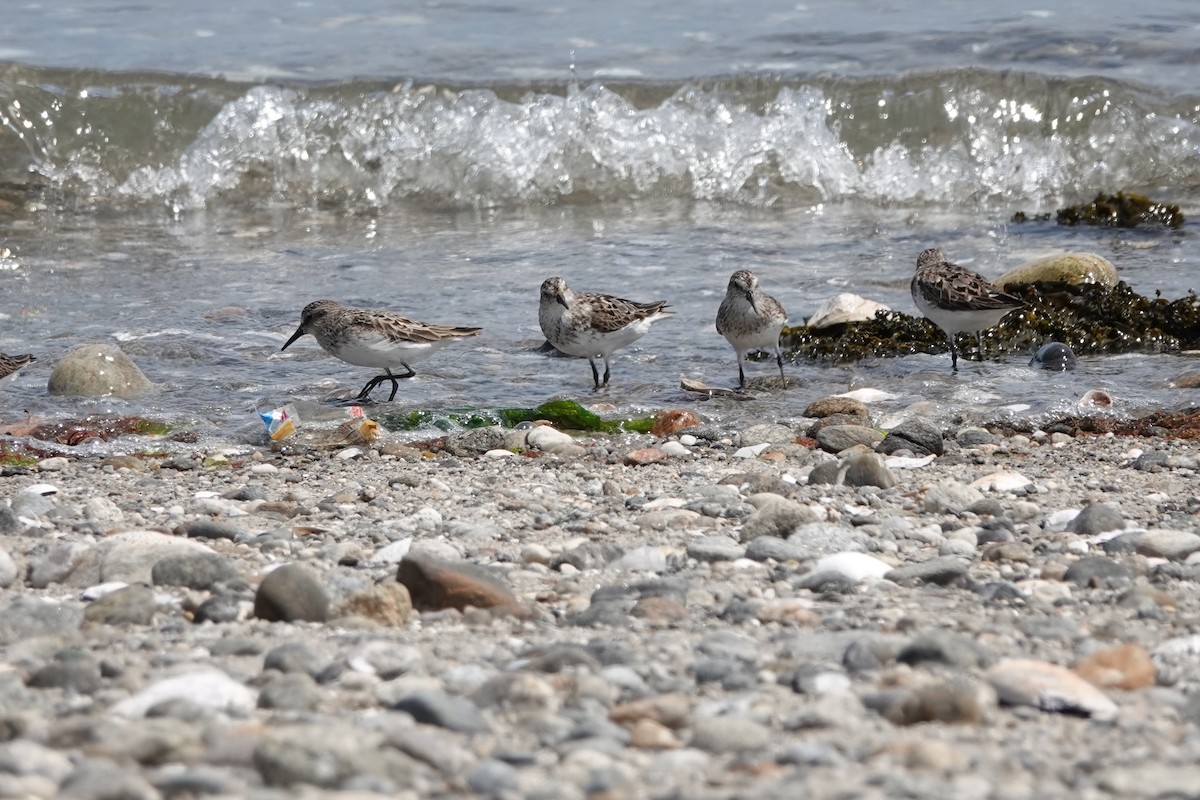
x=1181 y=424
x=1122 y=210
x=1089 y=318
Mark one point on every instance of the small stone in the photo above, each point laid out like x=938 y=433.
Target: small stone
x=941 y=571
x=319 y=755
x=8 y=569
x=775 y=516
x=644 y=456
x=1160 y=543
x=133 y=605
x=763 y=548
x=1125 y=666
x=434 y=584
x=207 y=687
x=715 y=548
x=294 y=657
x=850 y=568
x=660 y=610
x=292 y=691
x=553 y=441
x=208 y=529
x=767 y=433
x=289 y=593
x=1097 y=572
x=836 y=438
x=1096 y=518
x=433 y=707
x=673 y=421
x=1049 y=687
x=97 y=370
x=956 y=702
x=1003 y=481
x=193 y=570
x=646 y=734
x=946 y=647
x=387 y=603
x=867 y=469
x=729 y=734
x=918 y=434
x=950 y=496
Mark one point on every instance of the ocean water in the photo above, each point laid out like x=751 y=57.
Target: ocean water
x=184 y=181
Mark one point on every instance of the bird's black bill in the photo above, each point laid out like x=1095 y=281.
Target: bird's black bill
x=299 y=332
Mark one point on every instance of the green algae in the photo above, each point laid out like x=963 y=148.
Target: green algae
x=563 y=414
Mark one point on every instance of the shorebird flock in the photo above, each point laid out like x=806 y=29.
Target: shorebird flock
x=594 y=326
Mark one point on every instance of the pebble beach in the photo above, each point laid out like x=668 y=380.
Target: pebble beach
x=797 y=609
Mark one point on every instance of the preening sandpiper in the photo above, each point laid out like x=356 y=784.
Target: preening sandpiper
x=375 y=338
x=592 y=326
x=750 y=319
x=958 y=300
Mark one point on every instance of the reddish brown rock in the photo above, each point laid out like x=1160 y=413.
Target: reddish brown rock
x=673 y=421
x=434 y=584
x=646 y=455
x=1126 y=666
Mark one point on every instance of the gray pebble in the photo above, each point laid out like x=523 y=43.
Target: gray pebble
x=133 y=605
x=729 y=734
x=208 y=529
x=1096 y=518
x=433 y=707
x=941 y=571
x=765 y=548
x=293 y=691
x=1097 y=571
x=946 y=647
x=193 y=570
x=918 y=434
x=291 y=592
x=836 y=438
x=714 y=548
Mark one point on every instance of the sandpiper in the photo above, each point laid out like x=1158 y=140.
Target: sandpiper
x=593 y=325
x=374 y=338
x=10 y=366
x=958 y=300
x=751 y=319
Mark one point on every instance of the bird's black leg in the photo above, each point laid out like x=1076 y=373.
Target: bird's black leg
x=979 y=341
x=395 y=379
x=371 y=384
x=595 y=372
x=953 y=354
x=779 y=361
x=605 y=383
x=741 y=374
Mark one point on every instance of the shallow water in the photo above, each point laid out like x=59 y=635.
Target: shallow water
x=190 y=216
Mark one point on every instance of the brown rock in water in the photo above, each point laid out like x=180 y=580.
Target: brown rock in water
x=673 y=421
x=434 y=584
x=1126 y=666
x=828 y=406
x=290 y=593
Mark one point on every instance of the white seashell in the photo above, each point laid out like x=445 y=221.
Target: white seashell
x=42 y=489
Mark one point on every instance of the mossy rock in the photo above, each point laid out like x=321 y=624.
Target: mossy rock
x=1089 y=318
x=1122 y=210
x=1074 y=268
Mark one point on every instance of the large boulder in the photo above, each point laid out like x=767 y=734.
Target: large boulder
x=97 y=370
x=1073 y=268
